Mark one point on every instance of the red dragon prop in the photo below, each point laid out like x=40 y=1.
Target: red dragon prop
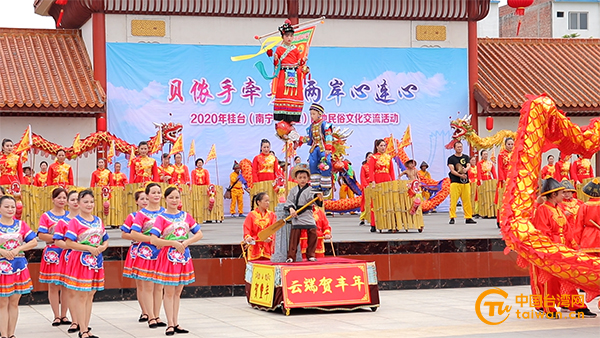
x=542 y=127
x=169 y=132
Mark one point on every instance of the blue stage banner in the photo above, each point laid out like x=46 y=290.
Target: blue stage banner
x=373 y=91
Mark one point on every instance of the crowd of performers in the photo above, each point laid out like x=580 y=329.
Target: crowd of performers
x=558 y=213
x=72 y=265
x=480 y=184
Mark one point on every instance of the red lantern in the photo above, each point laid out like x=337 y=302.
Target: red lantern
x=101 y=123
x=520 y=9
x=520 y=5
x=489 y=123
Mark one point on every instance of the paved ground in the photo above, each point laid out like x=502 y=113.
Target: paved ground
x=404 y=313
x=345 y=228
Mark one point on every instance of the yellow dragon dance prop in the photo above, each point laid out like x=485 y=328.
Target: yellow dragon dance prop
x=463 y=130
x=542 y=127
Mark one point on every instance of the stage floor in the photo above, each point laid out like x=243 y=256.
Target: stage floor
x=345 y=228
x=403 y=313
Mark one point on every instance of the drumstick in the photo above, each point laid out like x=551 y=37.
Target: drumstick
x=332 y=248
x=594 y=223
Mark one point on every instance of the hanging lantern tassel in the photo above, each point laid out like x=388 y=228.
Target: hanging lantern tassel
x=62 y=11
x=519 y=6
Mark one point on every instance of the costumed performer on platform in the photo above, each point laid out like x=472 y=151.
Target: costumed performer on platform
x=143 y=168
x=424 y=174
x=381 y=170
x=459 y=165
x=290 y=70
x=264 y=165
x=563 y=167
x=486 y=186
x=101 y=177
x=165 y=170
x=181 y=173
x=549 y=170
x=144 y=266
x=60 y=230
x=11 y=168
x=50 y=267
x=299 y=196
x=320 y=140
x=60 y=173
x=503 y=167
x=16 y=238
x=119 y=178
x=473 y=181
x=364 y=182
x=588 y=221
x=200 y=176
x=237 y=184
x=84 y=274
x=581 y=169
x=174 y=231
x=41 y=179
x=141 y=200
x=259 y=219
x=551 y=222
x=27 y=176
x=323 y=233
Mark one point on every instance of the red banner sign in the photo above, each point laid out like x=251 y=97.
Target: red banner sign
x=325 y=285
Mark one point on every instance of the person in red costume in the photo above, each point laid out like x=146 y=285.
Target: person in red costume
x=101 y=177
x=41 y=179
x=181 y=173
x=165 y=170
x=27 y=176
x=381 y=170
x=289 y=69
x=259 y=219
x=503 y=167
x=264 y=165
x=119 y=179
x=323 y=233
x=570 y=206
x=11 y=168
x=364 y=182
x=473 y=174
x=588 y=220
x=486 y=171
x=143 y=168
x=59 y=172
x=563 y=168
x=550 y=220
x=200 y=176
x=581 y=169
x=549 y=170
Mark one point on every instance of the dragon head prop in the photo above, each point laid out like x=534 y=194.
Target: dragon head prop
x=170 y=131
x=462 y=127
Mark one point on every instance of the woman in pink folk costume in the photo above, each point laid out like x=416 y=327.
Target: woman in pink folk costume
x=15 y=238
x=144 y=265
x=50 y=267
x=141 y=199
x=84 y=275
x=60 y=229
x=174 y=231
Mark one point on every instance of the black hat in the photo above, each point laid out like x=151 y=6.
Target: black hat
x=568 y=185
x=592 y=189
x=424 y=164
x=286 y=28
x=550 y=185
x=235 y=165
x=317 y=107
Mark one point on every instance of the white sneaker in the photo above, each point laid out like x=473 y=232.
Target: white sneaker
x=312 y=259
x=289 y=260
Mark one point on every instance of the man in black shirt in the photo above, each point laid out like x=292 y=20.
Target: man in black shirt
x=459 y=183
